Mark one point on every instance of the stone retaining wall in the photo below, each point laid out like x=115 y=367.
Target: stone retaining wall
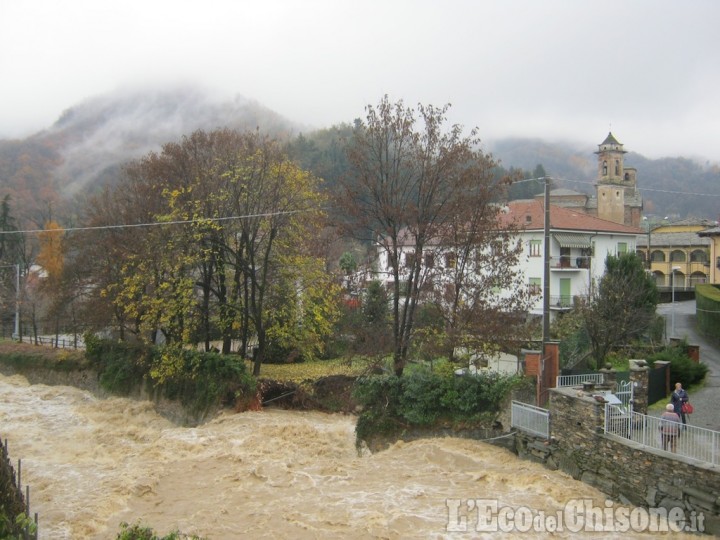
x=625 y=471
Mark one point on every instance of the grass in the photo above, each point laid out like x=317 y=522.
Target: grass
x=40 y=356
x=302 y=371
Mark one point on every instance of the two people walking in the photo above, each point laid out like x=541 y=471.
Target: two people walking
x=673 y=417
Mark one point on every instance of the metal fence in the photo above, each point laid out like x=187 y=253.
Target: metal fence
x=531 y=419
x=691 y=442
x=577 y=380
x=58 y=342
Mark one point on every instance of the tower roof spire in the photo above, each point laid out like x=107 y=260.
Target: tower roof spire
x=610 y=139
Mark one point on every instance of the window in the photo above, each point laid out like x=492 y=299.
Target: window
x=535 y=248
x=564 y=257
x=698 y=256
x=450 y=260
x=604 y=168
x=410 y=259
x=677 y=256
x=617 y=167
x=658 y=256
x=430 y=260
x=535 y=285
x=622 y=247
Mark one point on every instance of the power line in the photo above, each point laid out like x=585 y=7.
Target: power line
x=152 y=224
x=648 y=189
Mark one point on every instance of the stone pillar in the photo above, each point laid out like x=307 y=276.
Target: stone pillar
x=609 y=376
x=640 y=379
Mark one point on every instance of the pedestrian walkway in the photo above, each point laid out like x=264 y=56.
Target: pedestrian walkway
x=706 y=400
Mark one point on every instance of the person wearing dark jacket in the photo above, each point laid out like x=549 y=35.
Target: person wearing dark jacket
x=679 y=396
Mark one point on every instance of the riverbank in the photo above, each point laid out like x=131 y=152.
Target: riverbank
x=62 y=367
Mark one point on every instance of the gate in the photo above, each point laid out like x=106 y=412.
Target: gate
x=619 y=410
x=624 y=393
x=657 y=384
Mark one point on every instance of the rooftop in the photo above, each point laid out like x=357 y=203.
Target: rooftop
x=530 y=215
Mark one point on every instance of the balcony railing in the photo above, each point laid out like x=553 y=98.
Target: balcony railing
x=569 y=262
x=564 y=301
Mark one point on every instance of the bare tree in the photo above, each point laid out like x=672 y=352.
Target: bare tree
x=412 y=184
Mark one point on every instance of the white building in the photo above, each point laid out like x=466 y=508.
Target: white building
x=579 y=245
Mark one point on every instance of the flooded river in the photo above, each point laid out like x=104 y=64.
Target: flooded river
x=92 y=463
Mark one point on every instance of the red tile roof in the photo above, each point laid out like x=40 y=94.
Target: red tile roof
x=530 y=215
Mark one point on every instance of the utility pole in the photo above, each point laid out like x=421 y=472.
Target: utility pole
x=546 y=265
x=16 y=335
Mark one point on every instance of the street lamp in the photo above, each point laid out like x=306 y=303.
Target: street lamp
x=672 y=307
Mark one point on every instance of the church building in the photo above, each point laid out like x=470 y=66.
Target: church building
x=617 y=198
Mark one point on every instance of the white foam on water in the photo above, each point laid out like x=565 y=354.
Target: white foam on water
x=92 y=463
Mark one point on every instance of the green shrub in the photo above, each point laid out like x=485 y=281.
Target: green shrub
x=422 y=397
x=707 y=298
x=122 y=365
x=208 y=379
x=682 y=368
x=15 y=529
x=199 y=380
x=140 y=532
x=380 y=396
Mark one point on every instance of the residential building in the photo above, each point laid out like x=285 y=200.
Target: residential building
x=580 y=243
x=713 y=234
x=677 y=251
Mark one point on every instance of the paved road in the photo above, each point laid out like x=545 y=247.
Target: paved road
x=706 y=401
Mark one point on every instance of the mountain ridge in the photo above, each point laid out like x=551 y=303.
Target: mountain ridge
x=90 y=141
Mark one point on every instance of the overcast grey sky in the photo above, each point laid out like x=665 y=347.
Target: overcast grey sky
x=556 y=69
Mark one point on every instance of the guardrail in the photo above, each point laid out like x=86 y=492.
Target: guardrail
x=577 y=380
x=51 y=341
x=691 y=442
x=529 y=418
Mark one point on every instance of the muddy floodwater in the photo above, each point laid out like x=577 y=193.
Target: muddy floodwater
x=92 y=463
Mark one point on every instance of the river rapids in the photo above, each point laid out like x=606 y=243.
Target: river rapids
x=92 y=463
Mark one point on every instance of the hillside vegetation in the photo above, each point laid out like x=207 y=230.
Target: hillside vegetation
x=88 y=145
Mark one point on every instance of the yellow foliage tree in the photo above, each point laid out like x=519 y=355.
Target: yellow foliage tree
x=51 y=256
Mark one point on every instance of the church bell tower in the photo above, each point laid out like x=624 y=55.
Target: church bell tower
x=617 y=196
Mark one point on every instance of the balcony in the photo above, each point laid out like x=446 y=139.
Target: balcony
x=565 y=302
x=569 y=263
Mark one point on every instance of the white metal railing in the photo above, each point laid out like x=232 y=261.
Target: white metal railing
x=59 y=342
x=576 y=380
x=529 y=418
x=691 y=442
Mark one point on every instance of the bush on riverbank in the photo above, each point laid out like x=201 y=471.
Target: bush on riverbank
x=424 y=398
x=199 y=380
x=23 y=355
x=141 y=532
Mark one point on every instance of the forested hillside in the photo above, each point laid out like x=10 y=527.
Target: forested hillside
x=88 y=145
x=90 y=142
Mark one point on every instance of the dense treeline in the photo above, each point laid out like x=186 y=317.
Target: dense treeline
x=222 y=239
x=238 y=259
